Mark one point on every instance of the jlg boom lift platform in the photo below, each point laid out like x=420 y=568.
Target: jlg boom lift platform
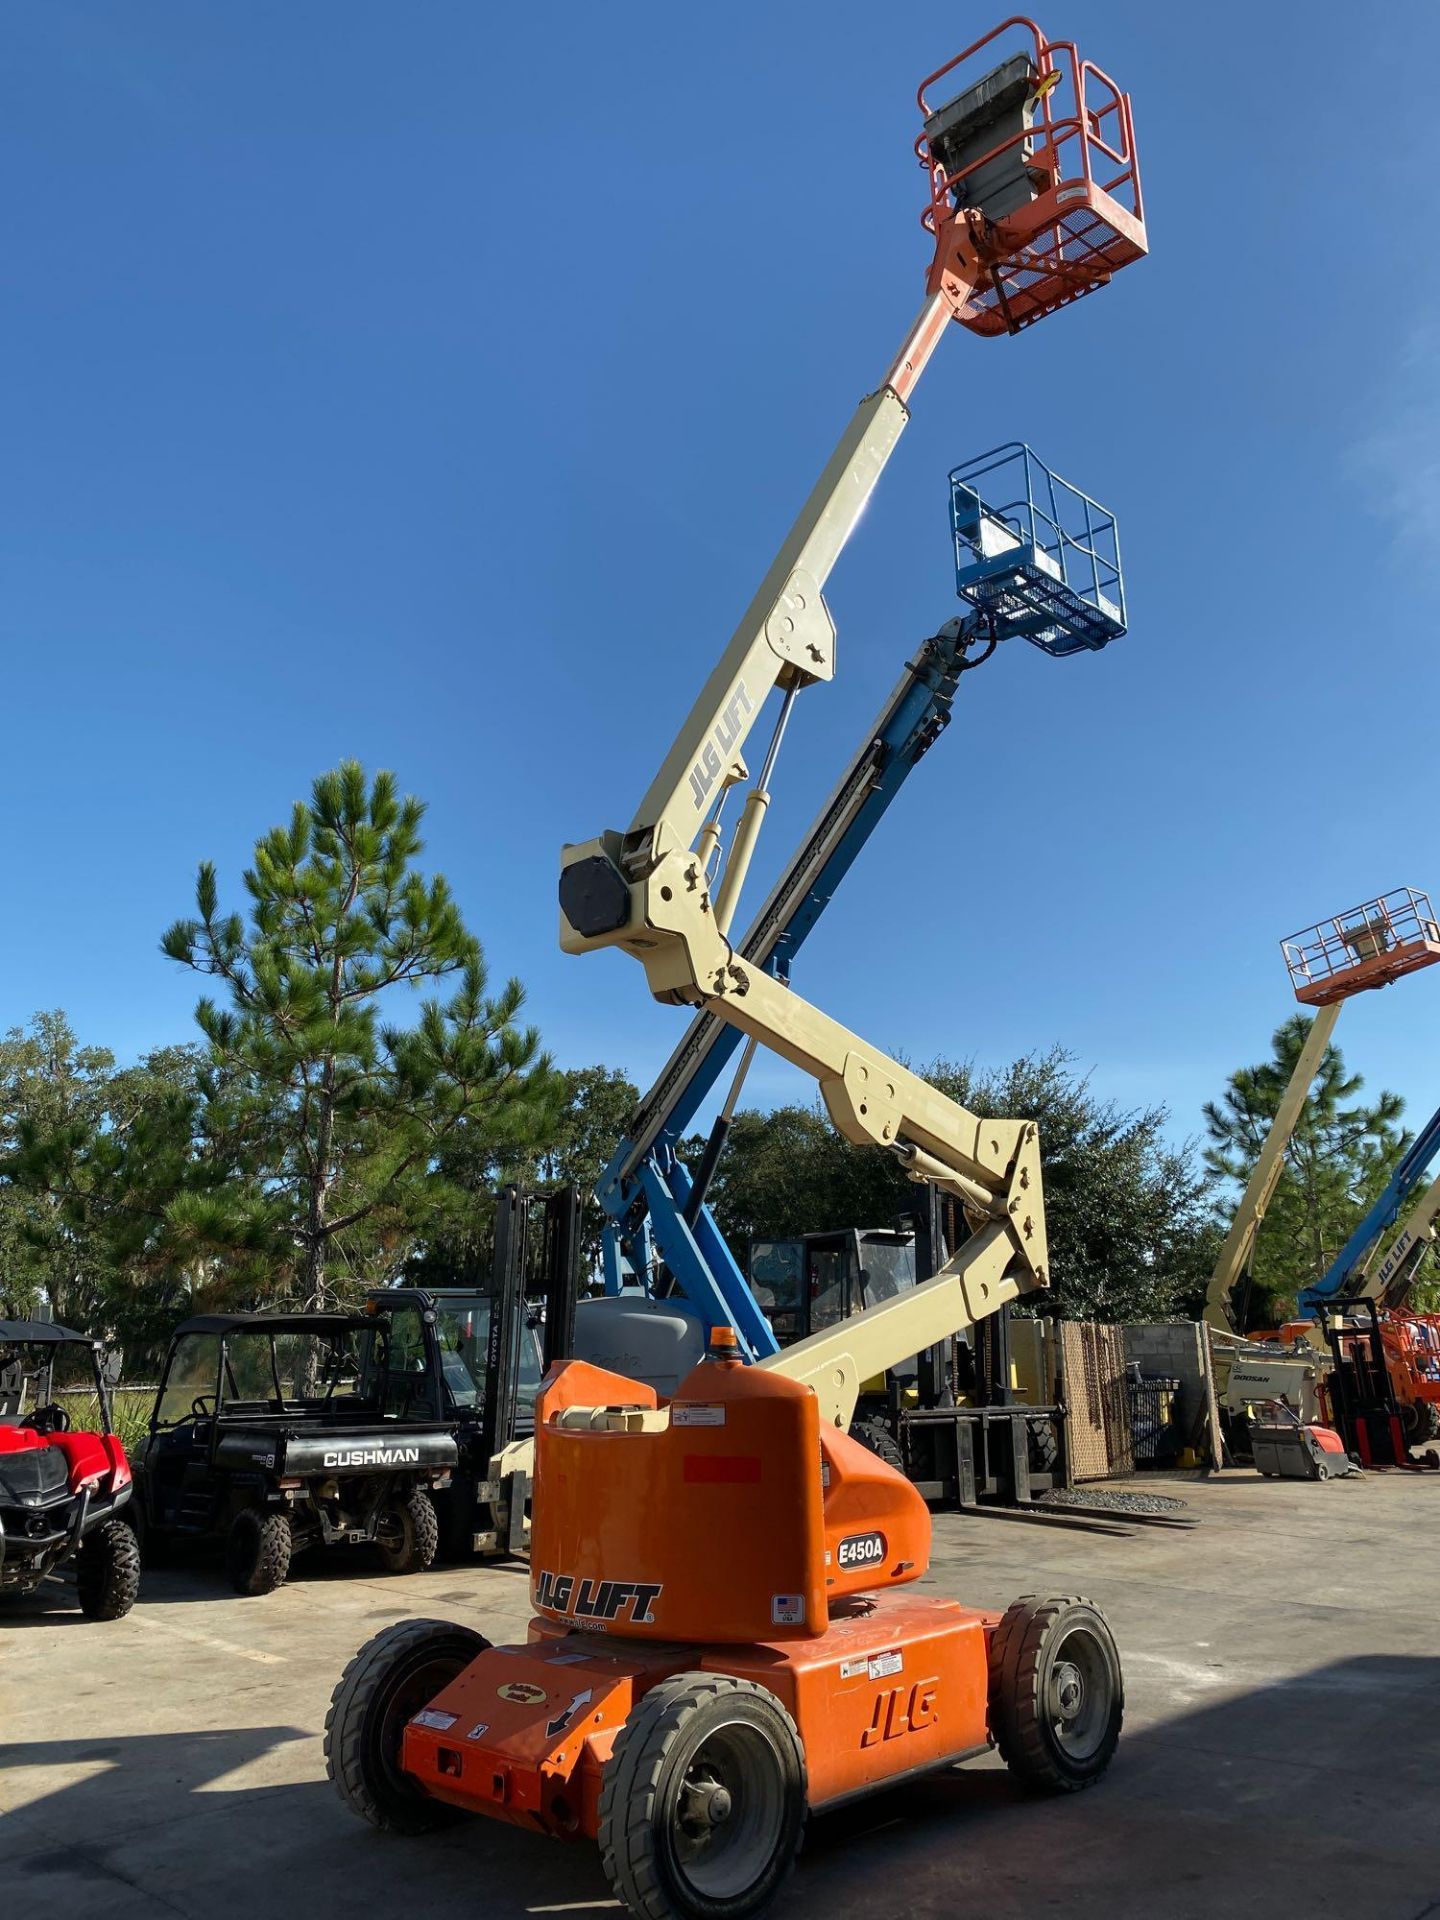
x=722 y=1639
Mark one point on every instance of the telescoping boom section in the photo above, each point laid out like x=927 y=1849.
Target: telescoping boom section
x=1034 y=201
x=1362 y=949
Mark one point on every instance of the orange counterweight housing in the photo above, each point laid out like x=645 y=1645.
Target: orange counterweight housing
x=724 y=1516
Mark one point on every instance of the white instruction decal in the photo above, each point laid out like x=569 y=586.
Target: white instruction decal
x=697 y=1416
x=478 y=1732
x=881 y=1664
x=437 y=1722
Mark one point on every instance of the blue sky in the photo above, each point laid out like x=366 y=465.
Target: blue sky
x=433 y=384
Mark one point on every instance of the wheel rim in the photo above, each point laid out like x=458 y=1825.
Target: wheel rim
x=727 y=1812
x=392 y=1533
x=408 y=1692
x=1079 y=1694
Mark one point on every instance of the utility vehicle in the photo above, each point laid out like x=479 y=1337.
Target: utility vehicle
x=280 y=1431
x=63 y=1492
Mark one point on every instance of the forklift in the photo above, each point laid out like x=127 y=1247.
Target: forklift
x=950 y=1417
x=475 y=1355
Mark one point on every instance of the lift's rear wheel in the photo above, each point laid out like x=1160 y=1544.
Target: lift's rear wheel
x=387 y=1683
x=1421 y=1421
x=702 y=1800
x=1057 y=1698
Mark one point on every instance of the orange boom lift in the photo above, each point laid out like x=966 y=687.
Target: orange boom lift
x=723 y=1638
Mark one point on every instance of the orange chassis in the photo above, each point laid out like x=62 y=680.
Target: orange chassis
x=898 y=1686
x=727 y=1534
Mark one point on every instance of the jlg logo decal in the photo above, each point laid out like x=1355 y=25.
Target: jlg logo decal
x=593 y=1602
x=706 y=770
x=902 y=1710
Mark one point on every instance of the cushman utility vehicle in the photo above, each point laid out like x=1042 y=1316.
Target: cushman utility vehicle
x=279 y=1431
x=720 y=1640
x=63 y=1492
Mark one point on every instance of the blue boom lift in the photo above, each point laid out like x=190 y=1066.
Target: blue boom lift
x=1035 y=559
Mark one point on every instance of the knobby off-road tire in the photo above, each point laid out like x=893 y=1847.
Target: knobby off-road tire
x=385 y=1685
x=410 y=1533
x=1057 y=1698
x=1420 y=1420
x=257 y=1551
x=875 y=1435
x=107 y=1571
x=702 y=1801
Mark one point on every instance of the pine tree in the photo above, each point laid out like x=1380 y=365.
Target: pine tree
x=1339 y=1157
x=341 y=1121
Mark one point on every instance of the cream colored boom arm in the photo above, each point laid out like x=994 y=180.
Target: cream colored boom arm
x=1239 y=1244
x=649 y=892
x=1390 y=1279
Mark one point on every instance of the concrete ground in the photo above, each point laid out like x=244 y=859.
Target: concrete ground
x=1280 y=1755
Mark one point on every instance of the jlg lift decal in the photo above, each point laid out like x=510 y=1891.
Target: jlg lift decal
x=901 y=1710
x=594 y=1602
x=707 y=769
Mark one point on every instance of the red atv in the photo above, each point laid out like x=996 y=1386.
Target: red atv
x=61 y=1492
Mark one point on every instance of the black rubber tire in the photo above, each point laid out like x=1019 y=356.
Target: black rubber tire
x=646 y=1773
x=1026 y=1670
x=1042 y=1445
x=1421 y=1421
x=418 y=1527
x=875 y=1435
x=107 y=1571
x=385 y=1685
x=257 y=1551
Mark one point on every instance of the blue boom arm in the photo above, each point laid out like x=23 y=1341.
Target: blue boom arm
x=1035 y=559
x=646 y=1189
x=1338 y=1281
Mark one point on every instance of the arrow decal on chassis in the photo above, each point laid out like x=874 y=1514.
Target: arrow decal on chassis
x=567 y=1714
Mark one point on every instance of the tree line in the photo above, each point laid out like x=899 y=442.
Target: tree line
x=311 y=1141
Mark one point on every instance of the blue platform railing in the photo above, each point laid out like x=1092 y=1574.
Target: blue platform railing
x=1037 y=556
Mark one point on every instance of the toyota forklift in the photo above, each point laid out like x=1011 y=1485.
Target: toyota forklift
x=722 y=1638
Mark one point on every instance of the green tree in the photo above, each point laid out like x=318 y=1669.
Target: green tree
x=596 y=1104
x=50 y=1088
x=1340 y=1155
x=342 y=1122
x=1126 y=1211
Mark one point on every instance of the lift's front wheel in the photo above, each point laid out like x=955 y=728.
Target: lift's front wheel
x=387 y=1683
x=1057 y=1698
x=702 y=1800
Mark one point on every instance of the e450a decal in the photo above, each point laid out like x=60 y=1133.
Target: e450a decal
x=596 y=1602
x=860 y=1550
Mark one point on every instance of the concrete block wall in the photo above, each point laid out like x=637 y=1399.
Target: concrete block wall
x=1177 y=1349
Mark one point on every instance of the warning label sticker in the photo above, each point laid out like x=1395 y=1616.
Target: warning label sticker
x=879 y=1664
x=695 y=1415
x=438 y=1722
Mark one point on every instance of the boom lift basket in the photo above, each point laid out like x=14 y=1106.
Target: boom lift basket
x=1367 y=946
x=1038 y=156
x=1036 y=554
